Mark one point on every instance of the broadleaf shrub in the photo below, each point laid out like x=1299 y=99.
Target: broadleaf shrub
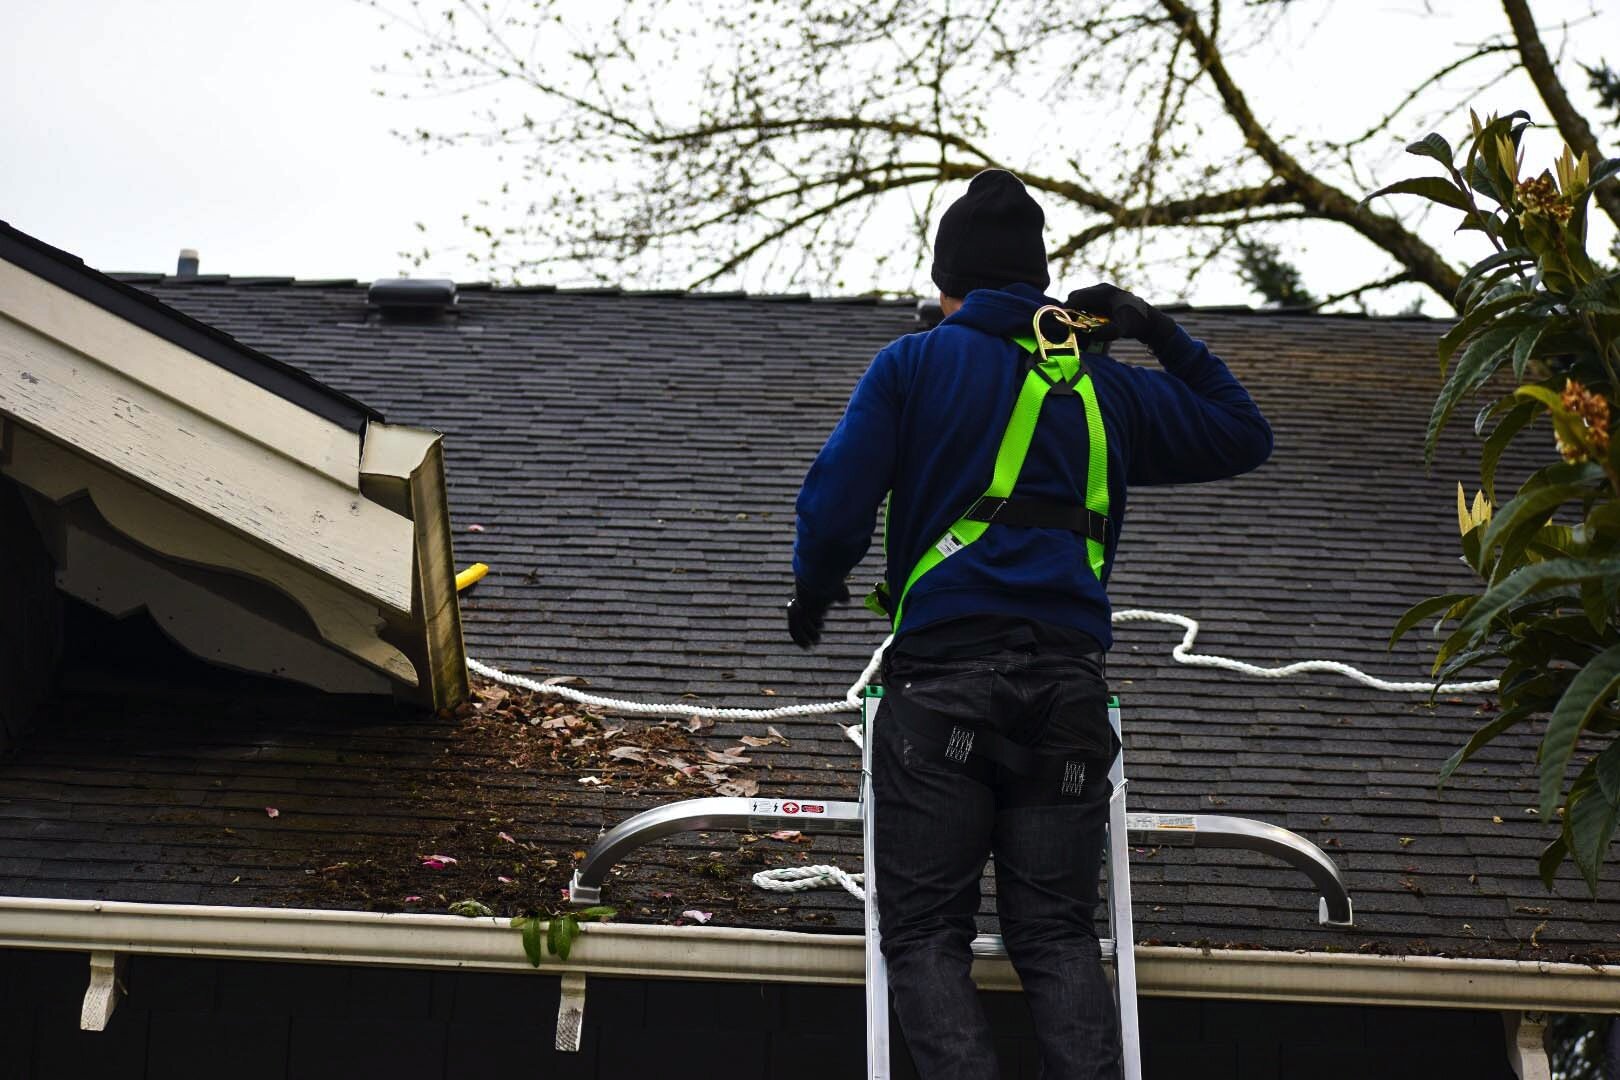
x=1537 y=311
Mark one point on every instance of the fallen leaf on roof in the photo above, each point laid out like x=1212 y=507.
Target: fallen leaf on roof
x=1536 y=934
x=699 y=723
x=664 y=895
x=768 y=692
x=1526 y=909
x=1405 y=840
x=609 y=732
x=591 y=780
x=756 y=740
x=726 y=759
x=698 y=916
x=235 y=879
x=1411 y=886
x=505 y=836
x=471 y=909
x=737 y=789
x=579 y=854
x=271 y=811
x=769 y=730
x=714 y=777
x=1496 y=819
x=791 y=836
x=475 y=528
x=628 y=753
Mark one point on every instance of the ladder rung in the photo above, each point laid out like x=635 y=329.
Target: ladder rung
x=990 y=947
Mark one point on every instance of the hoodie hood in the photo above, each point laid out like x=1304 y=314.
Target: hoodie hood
x=1004 y=312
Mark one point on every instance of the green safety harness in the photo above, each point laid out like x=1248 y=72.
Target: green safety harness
x=1054 y=367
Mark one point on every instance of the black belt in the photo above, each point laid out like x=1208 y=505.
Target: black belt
x=1041 y=514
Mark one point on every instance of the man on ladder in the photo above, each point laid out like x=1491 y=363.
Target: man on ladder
x=1006 y=466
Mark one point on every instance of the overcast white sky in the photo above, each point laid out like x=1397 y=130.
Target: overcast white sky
x=250 y=129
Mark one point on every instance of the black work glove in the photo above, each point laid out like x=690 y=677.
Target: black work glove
x=1128 y=315
x=807 y=611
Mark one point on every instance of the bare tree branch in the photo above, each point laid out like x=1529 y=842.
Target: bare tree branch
x=1425 y=263
x=1571 y=124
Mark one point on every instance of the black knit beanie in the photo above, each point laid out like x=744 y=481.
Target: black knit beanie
x=990 y=238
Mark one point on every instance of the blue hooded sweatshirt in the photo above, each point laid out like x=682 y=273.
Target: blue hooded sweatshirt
x=925 y=422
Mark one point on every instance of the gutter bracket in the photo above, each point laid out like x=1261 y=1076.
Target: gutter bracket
x=106 y=986
x=571 y=1012
x=1527 y=1044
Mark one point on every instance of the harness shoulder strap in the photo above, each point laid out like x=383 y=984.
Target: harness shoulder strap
x=1047 y=373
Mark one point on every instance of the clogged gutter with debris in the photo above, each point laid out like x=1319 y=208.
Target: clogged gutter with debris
x=485 y=836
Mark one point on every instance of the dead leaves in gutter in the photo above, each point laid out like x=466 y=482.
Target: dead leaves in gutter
x=545 y=734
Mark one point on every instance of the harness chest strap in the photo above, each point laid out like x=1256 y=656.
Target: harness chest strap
x=1059 y=373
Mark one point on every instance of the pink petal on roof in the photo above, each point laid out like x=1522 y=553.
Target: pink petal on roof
x=698 y=916
x=507 y=837
x=271 y=811
x=438 y=862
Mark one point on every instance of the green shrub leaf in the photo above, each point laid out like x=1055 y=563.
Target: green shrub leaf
x=1432 y=188
x=1422 y=610
x=1491 y=453
x=1432 y=145
x=531 y=940
x=568 y=930
x=1475 y=367
x=1475 y=320
x=1552 y=857
x=1531 y=579
x=1532 y=507
x=1590 y=821
x=1607 y=771
x=1591 y=688
x=1484 y=735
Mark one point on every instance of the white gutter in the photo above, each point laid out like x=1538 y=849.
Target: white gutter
x=696 y=952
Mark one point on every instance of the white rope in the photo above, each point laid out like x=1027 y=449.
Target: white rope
x=1183 y=654
x=851 y=702
x=800 y=878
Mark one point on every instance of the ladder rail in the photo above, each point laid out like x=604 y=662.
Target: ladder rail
x=1121 y=926
x=877 y=971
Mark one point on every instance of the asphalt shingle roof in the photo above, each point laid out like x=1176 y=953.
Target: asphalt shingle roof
x=633 y=459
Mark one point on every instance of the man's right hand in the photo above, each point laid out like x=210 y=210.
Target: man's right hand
x=807 y=612
x=1128 y=315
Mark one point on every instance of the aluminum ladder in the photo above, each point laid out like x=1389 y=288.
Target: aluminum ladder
x=841 y=817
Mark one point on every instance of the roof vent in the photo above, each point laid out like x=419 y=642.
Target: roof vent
x=412 y=299
x=929 y=314
x=188 y=264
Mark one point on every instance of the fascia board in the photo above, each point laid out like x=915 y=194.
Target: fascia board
x=736 y=954
x=180 y=448
x=278 y=425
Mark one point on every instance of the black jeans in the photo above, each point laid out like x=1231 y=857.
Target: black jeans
x=940 y=814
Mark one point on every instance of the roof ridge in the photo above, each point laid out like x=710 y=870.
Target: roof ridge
x=870 y=299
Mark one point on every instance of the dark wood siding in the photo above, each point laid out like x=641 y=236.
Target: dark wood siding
x=204 y=1018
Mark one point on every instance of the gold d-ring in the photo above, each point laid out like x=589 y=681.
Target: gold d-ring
x=1075 y=320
